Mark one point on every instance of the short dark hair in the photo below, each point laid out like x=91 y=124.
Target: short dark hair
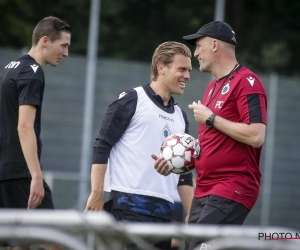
x=165 y=53
x=51 y=27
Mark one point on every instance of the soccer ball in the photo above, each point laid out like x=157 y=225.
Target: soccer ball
x=180 y=150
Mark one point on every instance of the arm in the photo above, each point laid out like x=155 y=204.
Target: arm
x=252 y=134
x=29 y=147
x=185 y=191
x=115 y=122
x=95 y=200
x=186 y=195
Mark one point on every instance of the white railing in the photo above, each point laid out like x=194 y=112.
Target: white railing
x=98 y=230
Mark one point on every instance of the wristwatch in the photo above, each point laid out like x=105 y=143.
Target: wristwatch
x=210 y=121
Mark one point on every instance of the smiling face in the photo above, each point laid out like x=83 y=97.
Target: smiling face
x=175 y=75
x=203 y=53
x=55 y=51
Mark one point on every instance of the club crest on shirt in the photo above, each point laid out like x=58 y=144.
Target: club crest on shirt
x=166 y=131
x=225 y=89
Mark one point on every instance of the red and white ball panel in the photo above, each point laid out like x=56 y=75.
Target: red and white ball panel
x=178 y=150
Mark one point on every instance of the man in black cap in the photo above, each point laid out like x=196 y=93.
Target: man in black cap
x=217 y=29
x=232 y=123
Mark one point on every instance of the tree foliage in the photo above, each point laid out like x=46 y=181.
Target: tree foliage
x=267 y=30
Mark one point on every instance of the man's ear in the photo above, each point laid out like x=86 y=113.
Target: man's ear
x=215 y=44
x=160 y=68
x=44 y=40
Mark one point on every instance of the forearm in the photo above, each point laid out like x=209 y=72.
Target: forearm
x=252 y=134
x=97 y=178
x=186 y=195
x=29 y=147
x=95 y=200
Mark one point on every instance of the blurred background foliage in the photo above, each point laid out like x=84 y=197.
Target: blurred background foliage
x=268 y=31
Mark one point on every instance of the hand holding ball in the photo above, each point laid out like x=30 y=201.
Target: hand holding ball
x=180 y=150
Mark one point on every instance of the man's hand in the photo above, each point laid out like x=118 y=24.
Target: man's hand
x=161 y=165
x=37 y=192
x=95 y=202
x=201 y=112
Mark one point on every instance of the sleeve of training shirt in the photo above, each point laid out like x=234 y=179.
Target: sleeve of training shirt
x=185 y=179
x=252 y=100
x=30 y=85
x=114 y=123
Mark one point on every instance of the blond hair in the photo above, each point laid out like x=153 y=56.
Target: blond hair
x=165 y=53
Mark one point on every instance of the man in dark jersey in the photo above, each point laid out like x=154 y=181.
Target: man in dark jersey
x=232 y=123
x=21 y=95
x=134 y=127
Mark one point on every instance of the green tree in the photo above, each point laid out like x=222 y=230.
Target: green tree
x=132 y=29
x=275 y=56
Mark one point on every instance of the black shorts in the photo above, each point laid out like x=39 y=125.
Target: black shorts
x=213 y=209
x=178 y=212
x=130 y=216
x=15 y=194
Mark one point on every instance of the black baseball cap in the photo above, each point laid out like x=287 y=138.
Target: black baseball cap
x=217 y=29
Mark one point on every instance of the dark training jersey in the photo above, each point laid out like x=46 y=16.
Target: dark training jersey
x=226 y=167
x=140 y=118
x=21 y=83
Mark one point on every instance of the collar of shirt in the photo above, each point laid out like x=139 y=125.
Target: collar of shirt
x=158 y=100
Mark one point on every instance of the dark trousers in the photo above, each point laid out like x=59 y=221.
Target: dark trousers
x=213 y=209
x=15 y=194
x=124 y=215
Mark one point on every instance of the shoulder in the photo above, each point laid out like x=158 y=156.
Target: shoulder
x=127 y=94
x=248 y=79
x=246 y=74
x=127 y=98
x=27 y=68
